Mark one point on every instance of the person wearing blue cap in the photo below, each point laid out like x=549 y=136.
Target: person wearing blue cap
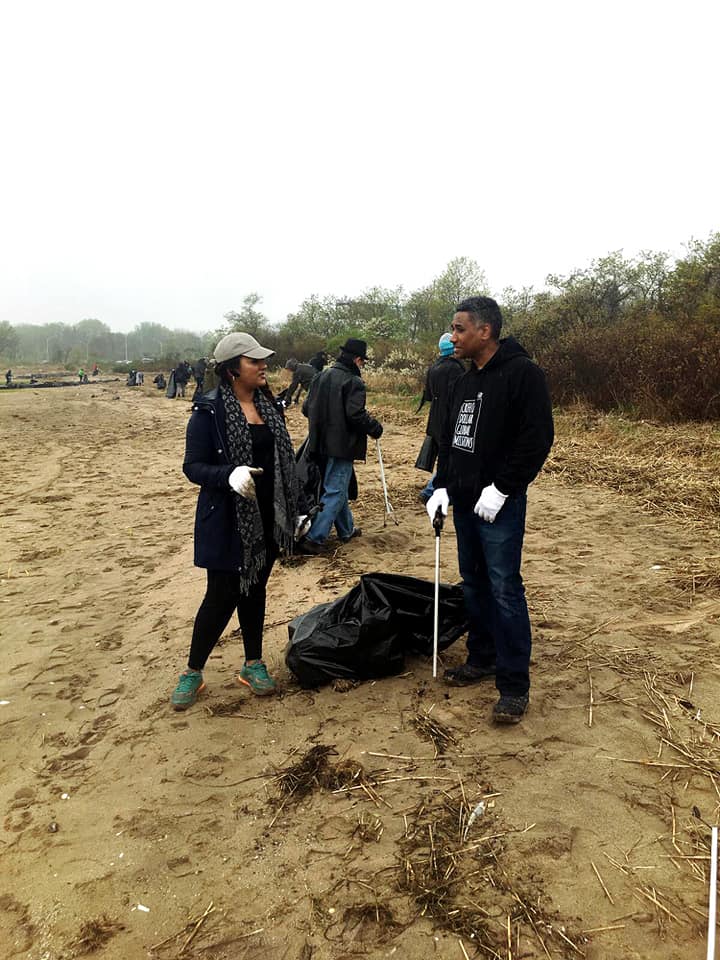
x=439 y=380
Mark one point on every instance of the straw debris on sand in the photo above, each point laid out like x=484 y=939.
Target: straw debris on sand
x=187 y=933
x=464 y=882
x=315 y=770
x=94 y=934
x=687 y=756
x=673 y=470
x=697 y=575
x=356 y=926
x=433 y=730
x=363 y=922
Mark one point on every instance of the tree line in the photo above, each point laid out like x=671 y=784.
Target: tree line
x=92 y=341
x=378 y=314
x=641 y=333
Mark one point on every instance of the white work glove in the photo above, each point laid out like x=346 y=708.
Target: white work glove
x=490 y=503
x=440 y=499
x=242 y=482
x=302 y=525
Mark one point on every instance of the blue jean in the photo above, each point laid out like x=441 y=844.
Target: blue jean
x=489 y=556
x=336 y=509
x=428 y=490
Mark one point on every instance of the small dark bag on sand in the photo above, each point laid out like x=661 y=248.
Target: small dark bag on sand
x=367 y=633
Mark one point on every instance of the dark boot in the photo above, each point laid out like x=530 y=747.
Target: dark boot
x=510 y=709
x=466 y=674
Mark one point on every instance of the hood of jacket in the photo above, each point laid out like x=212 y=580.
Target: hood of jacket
x=508 y=349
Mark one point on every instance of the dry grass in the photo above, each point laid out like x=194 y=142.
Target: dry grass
x=299 y=779
x=688 y=752
x=437 y=733
x=187 y=933
x=369 y=827
x=362 y=922
x=697 y=575
x=452 y=867
x=673 y=470
x=315 y=771
x=94 y=934
x=394 y=382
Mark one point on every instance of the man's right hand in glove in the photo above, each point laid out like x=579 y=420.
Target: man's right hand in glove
x=377 y=431
x=440 y=499
x=242 y=482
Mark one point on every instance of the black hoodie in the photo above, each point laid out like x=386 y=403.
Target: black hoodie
x=498 y=427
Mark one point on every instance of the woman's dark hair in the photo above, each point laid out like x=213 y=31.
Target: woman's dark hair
x=225 y=368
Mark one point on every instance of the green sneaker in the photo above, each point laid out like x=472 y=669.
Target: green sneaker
x=255 y=676
x=190 y=686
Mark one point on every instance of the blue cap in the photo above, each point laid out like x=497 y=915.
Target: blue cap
x=446 y=346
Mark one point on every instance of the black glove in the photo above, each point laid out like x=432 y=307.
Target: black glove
x=377 y=431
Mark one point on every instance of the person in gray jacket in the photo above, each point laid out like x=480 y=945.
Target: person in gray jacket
x=339 y=426
x=303 y=376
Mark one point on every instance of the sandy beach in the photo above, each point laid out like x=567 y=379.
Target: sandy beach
x=140 y=831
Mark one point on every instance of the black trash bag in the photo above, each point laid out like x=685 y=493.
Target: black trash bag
x=367 y=633
x=427 y=456
x=310 y=478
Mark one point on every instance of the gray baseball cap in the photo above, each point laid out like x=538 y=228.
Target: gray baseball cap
x=240 y=345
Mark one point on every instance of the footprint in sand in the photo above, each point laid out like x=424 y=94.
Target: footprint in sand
x=109 y=643
x=109 y=697
x=19 y=816
x=93 y=732
x=156 y=709
x=18 y=666
x=71 y=765
x=17 y=933
x=17 y=821
x=75 y=688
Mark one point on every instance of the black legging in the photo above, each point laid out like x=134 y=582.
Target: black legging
x=221 y=598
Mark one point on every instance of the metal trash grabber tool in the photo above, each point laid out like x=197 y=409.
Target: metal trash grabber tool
x=389 y=512
x=437 y=523
x=712 y=902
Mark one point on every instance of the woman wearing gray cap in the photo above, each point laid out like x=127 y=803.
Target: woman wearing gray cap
x=239 y=452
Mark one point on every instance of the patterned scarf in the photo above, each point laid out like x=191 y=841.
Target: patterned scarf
x=247 y=513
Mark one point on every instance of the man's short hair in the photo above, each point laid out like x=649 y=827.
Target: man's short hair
x=483 y=310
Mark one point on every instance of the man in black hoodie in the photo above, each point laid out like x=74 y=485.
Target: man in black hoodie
x=496 y=434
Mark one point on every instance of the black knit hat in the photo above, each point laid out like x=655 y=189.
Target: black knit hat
x=357 y=348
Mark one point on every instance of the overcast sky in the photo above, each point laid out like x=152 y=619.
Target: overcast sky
x=162 y=159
